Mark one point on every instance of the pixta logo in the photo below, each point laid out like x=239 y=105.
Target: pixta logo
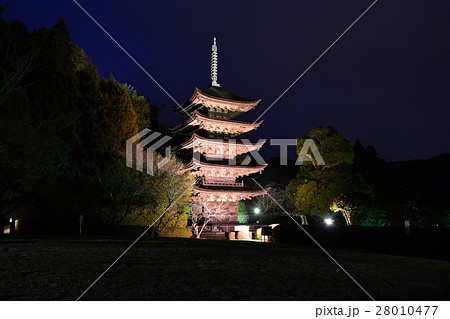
x=147 y=142
x=146 y=145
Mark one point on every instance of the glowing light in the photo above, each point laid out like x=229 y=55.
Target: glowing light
x=242 y=228
x=10 y=220
x=328 y=221
x=257 y=210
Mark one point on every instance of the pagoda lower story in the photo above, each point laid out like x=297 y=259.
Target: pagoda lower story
x=221 y=203
x=211 y=143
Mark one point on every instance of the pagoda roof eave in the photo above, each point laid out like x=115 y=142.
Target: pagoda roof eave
x=194 y=164
x=246 y=191
x=198 y=116
x=195 y=136
x=193 y=103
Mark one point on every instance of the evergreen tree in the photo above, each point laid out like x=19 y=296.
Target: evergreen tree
x=316 y=187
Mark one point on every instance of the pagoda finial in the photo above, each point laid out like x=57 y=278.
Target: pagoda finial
x=214 y=67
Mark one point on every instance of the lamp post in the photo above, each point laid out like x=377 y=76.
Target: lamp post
x=257 y=210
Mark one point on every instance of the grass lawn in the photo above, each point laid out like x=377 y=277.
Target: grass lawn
x=187 y=269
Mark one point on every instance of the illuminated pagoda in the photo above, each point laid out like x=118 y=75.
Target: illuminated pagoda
x=212 y=130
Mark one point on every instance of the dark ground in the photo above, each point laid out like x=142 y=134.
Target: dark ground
x=185 y=269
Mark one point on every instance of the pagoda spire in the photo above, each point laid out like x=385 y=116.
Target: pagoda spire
x=214 y=66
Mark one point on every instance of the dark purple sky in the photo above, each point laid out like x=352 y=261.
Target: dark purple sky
x=386 y=82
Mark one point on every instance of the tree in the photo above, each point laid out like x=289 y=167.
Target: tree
x=352 y=204
x=124 y=192
x=133 y=197
x=106 y=115
x=270 y=202
x=61 y=123
x=333 y=147
x=171 y=190
x=202 y=212
x=434 y=211
x=20 y=147
x=316 y=187
x=265 y=203
x=353 y=181
x=242 y=213
x=141 y=106
x=392 y=189
x=17 y=54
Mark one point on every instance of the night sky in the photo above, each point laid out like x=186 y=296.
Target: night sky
x=385 y=82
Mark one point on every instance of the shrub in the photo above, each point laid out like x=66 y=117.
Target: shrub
x=181 y=232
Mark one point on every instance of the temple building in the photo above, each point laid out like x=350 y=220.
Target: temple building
x=211 y=130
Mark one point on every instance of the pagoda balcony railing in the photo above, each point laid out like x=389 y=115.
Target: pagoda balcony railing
x=207 y=182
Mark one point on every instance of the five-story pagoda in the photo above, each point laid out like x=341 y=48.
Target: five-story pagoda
x=212 y=130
